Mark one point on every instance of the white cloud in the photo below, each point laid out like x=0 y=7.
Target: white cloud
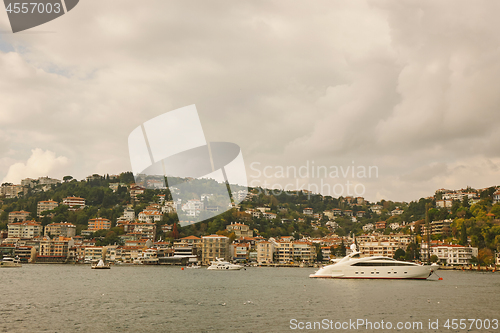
x=40 y=163
x=406 y=86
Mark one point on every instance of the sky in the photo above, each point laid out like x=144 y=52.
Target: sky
x=405 y=89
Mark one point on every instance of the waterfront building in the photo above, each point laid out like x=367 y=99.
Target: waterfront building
x=284 y=250
x=265 y=252
x=240 y=251
x=215 y=246
x=450 y=254
x=55 y=250
x=190 y=241
x=94 y=253
x=326 y=252
x=304 y=251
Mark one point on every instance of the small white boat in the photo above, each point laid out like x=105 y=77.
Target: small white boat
x=221 y=265
x=374 y=268
x=100 y=265
x=8 y=262
x=194 y=266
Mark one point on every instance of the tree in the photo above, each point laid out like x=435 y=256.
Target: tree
x=67 y=178
x=434 y=258
x=399 y=254
x=319 y=253
x=175 y=233
x=485 y=257
x=412 y=252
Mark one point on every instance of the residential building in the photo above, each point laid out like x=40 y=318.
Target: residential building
x=348 y=212
x=215 y=246
x=99 y=224
x=451 y=254
x=240 y=251
x=144 y=230
x=284 y=251
x=74 y=203
x=307 y=211
x=43 y=206
x=380 y=225
x=304 y=251
x=444 y=203
x=382 y=245
x=377 y=209
x=18 y=216
x=397 y=211
x=263 y=209
x=25 y=229
x=368 y=227
x=94 y=253
x=326 y=252
x=135 y=190
x=63 y=229
x=55 y=250
x=265 y=252
x=239 y=229
x=12 y=191
x=496 y=197
x=150 y=216
x=437 y=227
x=190 y=241
x=394 y=225
x=269 y=215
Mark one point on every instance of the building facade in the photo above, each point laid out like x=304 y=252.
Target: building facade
x=215 y=246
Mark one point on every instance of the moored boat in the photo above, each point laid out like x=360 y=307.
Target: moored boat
x=220 y=264
x=353 y=267
x=8 y=262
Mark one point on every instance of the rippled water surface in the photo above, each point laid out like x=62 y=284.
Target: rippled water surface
x=75 y=298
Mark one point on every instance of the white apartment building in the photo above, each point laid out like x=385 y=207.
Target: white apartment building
x=265 y=251
x=43 y=206
x=25 y=229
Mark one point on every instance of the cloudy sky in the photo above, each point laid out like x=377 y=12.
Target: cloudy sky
x=408 y=87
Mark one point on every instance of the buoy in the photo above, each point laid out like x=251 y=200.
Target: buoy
x=440 y=278
x=182 y=268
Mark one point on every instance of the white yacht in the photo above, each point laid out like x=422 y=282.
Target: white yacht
x=220 y=264
x=374 y=268
x=8 y=262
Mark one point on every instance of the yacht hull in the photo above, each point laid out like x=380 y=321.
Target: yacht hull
x=401 y=272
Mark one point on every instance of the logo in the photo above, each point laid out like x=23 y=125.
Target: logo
x=26 y=15
x=204 y=179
